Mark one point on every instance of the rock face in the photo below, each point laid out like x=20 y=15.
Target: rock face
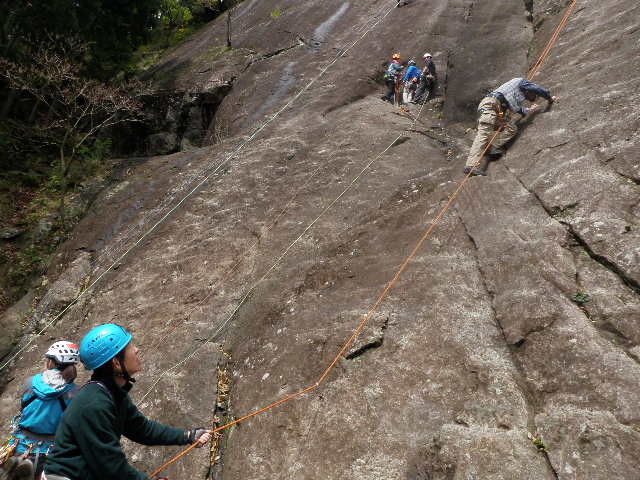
x=485 y=361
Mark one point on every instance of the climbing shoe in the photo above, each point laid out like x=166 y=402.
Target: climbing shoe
x=475 y=173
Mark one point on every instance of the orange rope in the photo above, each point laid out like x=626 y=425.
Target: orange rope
x=238 y=420
x=425 y=236
x=545 y=53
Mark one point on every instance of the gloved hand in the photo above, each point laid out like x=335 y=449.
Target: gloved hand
x=200 y=435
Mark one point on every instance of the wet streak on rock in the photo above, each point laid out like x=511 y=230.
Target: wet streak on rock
x=321 y=32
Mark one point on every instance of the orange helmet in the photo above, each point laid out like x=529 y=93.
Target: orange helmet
x=396 y=56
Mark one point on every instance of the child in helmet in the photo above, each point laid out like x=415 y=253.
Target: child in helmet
x=46 y=396
x=391 y=77
x=88 y=440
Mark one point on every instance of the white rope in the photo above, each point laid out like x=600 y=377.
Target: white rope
x=226 y=321
x=193 y=190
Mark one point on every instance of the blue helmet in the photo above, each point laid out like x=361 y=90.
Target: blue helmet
x=102 y=344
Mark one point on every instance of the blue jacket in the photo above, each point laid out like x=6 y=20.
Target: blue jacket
x=42 y=411
x=412 y=72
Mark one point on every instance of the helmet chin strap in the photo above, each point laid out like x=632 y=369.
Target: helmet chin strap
x=124 y=373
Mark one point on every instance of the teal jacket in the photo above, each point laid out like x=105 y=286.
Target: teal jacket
x=43 y=405
x=42 y=408
x=87 y=444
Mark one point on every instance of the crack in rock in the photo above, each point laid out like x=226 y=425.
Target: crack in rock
x=528 y=395
x=605 y=262
x=265 y=56
x=550 y=147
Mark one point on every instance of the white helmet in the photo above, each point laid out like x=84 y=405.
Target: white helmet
x=63 y=353
x=426 y=55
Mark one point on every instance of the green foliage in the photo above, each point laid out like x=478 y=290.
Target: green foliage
x=276 y=13
x=160 y=41
x=174 y=14
x=91 y=159
x=112 y=29
x=539 y=443
x=28 y=262
x=581 y=297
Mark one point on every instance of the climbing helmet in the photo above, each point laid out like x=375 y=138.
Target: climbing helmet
x=103 y=343
x=395 y=56
x=63 y=353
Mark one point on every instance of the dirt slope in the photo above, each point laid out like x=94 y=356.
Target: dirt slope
x=479 y=346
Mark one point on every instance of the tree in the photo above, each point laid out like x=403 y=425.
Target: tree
x=175 y=14
x=71 y=109
x=112 y=29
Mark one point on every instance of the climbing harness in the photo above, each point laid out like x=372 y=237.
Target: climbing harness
x=8 y=449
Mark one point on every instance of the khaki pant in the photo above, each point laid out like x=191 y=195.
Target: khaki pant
x=488 y=123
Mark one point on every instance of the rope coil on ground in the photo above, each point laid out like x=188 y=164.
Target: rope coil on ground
x=398 y=273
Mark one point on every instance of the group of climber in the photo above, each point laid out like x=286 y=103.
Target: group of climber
x=499 y=111
x=84 y=443
x=417 y=85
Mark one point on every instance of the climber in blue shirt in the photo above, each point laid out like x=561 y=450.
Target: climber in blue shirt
x=44 y=399
x=410 y=81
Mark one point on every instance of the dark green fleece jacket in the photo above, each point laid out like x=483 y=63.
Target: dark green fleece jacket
x=87 y=442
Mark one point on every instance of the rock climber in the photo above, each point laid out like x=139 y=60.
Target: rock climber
x=87 y=444
x=391 y=77
x=502 y=108
x=45 y=398
x=410 y=81
x=427 y=80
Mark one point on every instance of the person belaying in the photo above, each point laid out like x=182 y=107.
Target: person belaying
x=427 y=80
x=391 y=77
x=410 y=81
x=87 y=444
x=44 y=399
x=503 y=107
